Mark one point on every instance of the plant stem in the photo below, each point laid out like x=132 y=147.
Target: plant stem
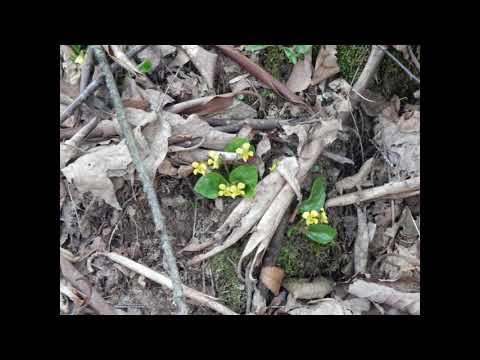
x=159 y=220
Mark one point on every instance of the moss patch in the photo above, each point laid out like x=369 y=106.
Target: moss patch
x=350 y=58
x=229 y=288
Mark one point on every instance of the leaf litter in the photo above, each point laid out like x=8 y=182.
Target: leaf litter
x=184 y=103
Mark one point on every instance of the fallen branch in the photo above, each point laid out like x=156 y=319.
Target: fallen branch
x=95 y=300
x=163 y=280
x=148 y=188
x=70 y=148
x=262 y=75
x=86 y=70
x=390 y=189
x=94 y=85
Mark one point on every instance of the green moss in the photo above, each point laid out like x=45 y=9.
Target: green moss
x=273 y=61
x=350 y=58
x=229 y=288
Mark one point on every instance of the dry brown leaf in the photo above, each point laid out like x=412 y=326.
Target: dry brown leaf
x=383 y=294
x=323 y=307
x=237 y=111
x=203 y=106
x=326 y=64
x=301 y=75
x=116 y=53
x=300 y=131
x=155 y=53
x=272 y=277
x=404 y=50
x=356 y=180
x=166 y=168
x=205 y=62
x=357 y=305
x=180 y=60
x=304 y=289
x=91 y=171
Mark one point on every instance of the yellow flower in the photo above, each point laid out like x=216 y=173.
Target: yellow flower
x=199 y=168
x=323 y=216
x=232 y=190
x=244 y=151
x=80 y=58
x=274 y=166
x=311 y=217
x=214 y=160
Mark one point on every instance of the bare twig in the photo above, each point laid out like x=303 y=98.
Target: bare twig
x=163 y=280
x=408 y=72
x=94 y=85
x=148 y=188
x=389 y=189
x=86 y=69
x=414 y=58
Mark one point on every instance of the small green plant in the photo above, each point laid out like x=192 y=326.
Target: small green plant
x=145 y=67
x=315 y=221
x=293 y=53
x=78 y=55
x=241 y=181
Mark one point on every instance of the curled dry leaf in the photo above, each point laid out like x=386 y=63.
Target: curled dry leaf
x=91 y=171
x=119 y=57
x=356 y=180
x=300 y=131
x=323 y=307
x=326 y=64
x=383 y=294
x=301 y=75
x=272 y=277
x=155 y=53
x=304 y=289
x=205 y=61
x=203 y=106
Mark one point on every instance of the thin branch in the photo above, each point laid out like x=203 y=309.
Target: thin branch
x=163 y=280
x=94 y=85
x=86 y=69
x=408 y=72
x=414 y=58
x=148 y=188
x=410 y=186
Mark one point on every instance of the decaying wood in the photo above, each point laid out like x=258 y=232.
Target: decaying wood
x=148 y=188
x=163 y=280
x=410 y=186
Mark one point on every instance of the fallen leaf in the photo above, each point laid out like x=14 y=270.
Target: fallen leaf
x=205 y=62
x=357 y=305
x=203 y=106
x=326 y=64
x=155 y=53
x=91 y=171
x=263 y=146
x=356 y=180
x=166 y=168
x=360 y=250
x=383 y=294
x=303 y=289
x=272 y=277
x=301 y=75
x=300 y=131
x=324 y=307
x=119 y=57
x=180 y=60
x=404 y=50
x=237 y=111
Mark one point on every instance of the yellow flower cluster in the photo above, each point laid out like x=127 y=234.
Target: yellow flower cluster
x=199 y=168
x=314 y=217
x=232 y=190
x=244 y=151
x=214 y=160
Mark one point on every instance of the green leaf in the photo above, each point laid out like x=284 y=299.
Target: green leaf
x=76 y=49
x=290 y=55
x=246 y=174
x=255 y=47
x=322 y=234
x=237 y=142
x=145 y=67
x=292 y=231
x=302 y=49
x=316 y=200
x=207 y=185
